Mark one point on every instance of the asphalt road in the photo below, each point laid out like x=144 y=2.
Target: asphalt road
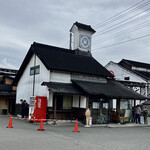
x=24 y=136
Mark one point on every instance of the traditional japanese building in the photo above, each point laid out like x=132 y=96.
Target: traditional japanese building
x=134 y=75
x=71 y=79
x=7 y=91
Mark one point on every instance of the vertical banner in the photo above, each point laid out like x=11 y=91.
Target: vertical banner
x=40 y=108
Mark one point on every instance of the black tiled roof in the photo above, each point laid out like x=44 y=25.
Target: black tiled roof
x=84 y=26
x=55 y=58
x=67 y=60
x=143 y=74
x=6 y=90
x=63 y=88
x=111 y=89
x=136 y=64
x=126 y=63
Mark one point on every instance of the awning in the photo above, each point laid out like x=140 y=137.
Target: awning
x=63 y=88
x=111 y=89
x=146 y=103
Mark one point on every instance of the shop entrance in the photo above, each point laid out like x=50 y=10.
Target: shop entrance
x=99 y=111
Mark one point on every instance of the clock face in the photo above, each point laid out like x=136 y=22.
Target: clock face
x=84 y=42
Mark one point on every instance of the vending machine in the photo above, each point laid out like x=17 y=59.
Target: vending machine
x=37 y=108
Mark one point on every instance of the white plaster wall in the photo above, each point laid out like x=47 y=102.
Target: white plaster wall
x=120 y=73
x=60 y=77
x=83 y=102
x=50 y=100
x=88 y=78
x=25 y=84
x=44 y=75
x=75 y=101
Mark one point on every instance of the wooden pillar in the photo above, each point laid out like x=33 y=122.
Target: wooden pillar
x=118 y=109
x=87 y=102
x=134 y=110
x=109 y=117
x=134 y=103
x=55 y=104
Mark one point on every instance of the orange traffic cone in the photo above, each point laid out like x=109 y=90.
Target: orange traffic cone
x=10 y=123
x=76 y=127
x=41 y=125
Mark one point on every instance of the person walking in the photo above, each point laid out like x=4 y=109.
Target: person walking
x=145 y=115
x=138 y=114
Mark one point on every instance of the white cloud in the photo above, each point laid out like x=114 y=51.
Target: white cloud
x=5 y=64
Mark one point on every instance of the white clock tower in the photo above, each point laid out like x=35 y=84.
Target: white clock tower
x=80 y=37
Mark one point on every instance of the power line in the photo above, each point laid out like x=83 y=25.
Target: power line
x=110 y=19
x=125 y=24
x=126 y=12
x=125 y=31
x=112 y=28
x=115 y=25
x=121 y=42
x=121 y=14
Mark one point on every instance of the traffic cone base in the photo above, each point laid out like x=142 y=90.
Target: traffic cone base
x=76 y=127
x=10 y=123
x=41 y=126
x=41 y=129
x=75 y=131
x=9 y=127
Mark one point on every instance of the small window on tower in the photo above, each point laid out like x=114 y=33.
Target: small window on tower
x=127 y=78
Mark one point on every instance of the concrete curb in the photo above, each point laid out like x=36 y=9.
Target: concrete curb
x=121 y=125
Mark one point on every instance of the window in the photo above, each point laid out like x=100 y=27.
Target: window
x=35 y=69
x=31 y=71
x=67 y=102
x=63 y=102
x=105 y=105
x=95 y=105
x=126 y=78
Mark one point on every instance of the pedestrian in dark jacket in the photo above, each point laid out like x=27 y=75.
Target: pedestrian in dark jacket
x=26 y=108
x=145 y=115
x=22 y=106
